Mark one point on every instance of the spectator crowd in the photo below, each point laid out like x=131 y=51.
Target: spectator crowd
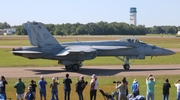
x=121 y=91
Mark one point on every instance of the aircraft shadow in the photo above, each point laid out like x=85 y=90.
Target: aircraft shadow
x=98 y=71
x=111 y=72
x=85 y=71
x=41 y=71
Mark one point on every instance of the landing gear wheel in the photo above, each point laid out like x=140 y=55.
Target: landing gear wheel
x=75 y=67
x=68 y=67
x=126 y=66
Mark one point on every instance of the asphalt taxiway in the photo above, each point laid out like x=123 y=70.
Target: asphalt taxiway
x=115 y=70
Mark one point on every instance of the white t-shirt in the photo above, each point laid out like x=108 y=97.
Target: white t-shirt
x=1 y=83
x=178 y=87
x=96 y=84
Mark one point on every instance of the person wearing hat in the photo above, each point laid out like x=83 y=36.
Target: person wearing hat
x=42 y=88
x=33 y=85
x=166 y=87
x=3 y=83
x=54 y=88
x=135 y=88
x=150 y=83
x=29 y=95
x=20 y=88
x=93 y=87
x=80 y=85
x=67 y=87
x=177 y=84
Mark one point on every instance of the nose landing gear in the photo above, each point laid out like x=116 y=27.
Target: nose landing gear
x=126 y=65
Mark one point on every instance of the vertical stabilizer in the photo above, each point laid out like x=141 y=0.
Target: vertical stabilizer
x=39 y=35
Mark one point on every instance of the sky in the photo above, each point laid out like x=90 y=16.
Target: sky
x=149 y=12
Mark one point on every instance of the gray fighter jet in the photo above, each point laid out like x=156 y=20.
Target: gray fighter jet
x=72 y=54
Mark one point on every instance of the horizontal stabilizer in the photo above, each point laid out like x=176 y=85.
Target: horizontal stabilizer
x=26 y=52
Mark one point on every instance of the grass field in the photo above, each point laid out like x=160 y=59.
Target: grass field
x=105 y=83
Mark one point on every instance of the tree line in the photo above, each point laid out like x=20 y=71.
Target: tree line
x=4 y=25
x=99 y=28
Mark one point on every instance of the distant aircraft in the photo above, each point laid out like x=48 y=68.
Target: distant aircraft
x=72 y=54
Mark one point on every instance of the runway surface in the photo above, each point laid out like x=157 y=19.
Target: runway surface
x=115 y=70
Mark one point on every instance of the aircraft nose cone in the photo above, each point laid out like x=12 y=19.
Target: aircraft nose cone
x=167 y=52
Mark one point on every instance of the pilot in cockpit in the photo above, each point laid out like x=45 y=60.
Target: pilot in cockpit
x=136 y=41
x=130 y=40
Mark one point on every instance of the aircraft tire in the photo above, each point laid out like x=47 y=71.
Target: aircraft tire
x=75 y=67
x=126 y=66
x=68 y=67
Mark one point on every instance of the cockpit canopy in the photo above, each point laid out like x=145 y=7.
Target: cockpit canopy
x=132 y=40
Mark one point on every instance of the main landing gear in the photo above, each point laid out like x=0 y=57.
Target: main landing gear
x=126 y=63
x=75 y=67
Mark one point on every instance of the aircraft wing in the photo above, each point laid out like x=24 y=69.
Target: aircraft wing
x=104 y=48
x=88 y=49
x=77 y=50
x=63 y=53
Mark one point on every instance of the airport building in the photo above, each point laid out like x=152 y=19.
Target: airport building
x=133 y=19
x=178 y=33
x=7 y=31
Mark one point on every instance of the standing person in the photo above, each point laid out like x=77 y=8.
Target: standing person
x=166 y=87
x=33 y=87
x=80 y=85
x=93 y=87
x=3 y=83
x=54 y=89
x=150 y=82
x=29 y=95
x=135 y=88
x=67 y=87
x=126 y=82
x=178 y=89
x=122 y=90
x=116 y=93
x=20 y=88
x=42 y=87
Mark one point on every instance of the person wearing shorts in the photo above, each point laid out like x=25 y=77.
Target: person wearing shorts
x=20 y=88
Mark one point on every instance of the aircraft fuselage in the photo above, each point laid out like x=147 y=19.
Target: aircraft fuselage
x=135 y=51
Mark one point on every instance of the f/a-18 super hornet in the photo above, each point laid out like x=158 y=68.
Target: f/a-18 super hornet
x=72 y=54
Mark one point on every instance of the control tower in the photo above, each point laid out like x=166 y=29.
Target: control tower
x=133 y=16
